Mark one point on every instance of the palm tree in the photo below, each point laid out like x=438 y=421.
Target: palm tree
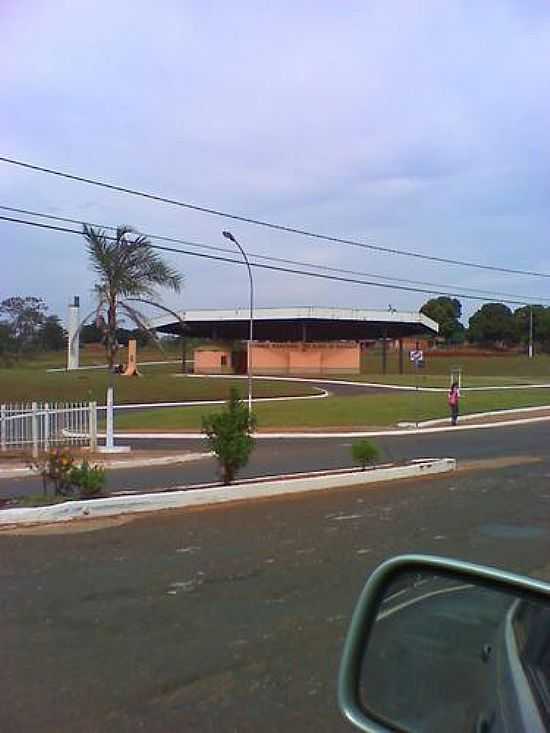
x=128 y=270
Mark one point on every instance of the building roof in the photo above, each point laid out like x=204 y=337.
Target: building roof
x=309 y=323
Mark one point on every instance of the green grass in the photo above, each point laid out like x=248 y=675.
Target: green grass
x=158 y=384
x=378 y=410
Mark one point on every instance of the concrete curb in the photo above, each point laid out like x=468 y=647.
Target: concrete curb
x=490 y=413
x=25 y=471
x=322 y=393
x=122 y=505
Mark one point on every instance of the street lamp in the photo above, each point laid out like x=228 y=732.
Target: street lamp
x=233 y=239
x=530 y=331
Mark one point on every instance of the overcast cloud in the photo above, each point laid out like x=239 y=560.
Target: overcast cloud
x=416 y=125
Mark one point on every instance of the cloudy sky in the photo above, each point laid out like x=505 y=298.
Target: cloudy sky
x=414 y=125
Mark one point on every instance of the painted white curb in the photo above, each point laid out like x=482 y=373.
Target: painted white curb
x=490 y=413
x=322 y=393
x=117 y=505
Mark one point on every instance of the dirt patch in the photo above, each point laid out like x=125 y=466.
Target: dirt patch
x=71 y=527
x=487 y=464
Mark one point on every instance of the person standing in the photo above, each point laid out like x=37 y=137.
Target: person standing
x=454 y=399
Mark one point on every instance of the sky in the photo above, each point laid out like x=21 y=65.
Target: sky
x=412 y=125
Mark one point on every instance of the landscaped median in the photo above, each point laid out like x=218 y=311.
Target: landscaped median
x=240 y=491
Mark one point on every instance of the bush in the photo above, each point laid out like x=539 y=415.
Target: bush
x=67 y=477
x=229 y=435
x=55 y=470
x=364 y=453
x=88 y=480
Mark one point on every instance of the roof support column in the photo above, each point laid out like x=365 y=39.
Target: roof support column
x=384 y=351
x=400 y=356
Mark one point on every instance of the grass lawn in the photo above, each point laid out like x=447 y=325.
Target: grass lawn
x=156 y=385
x=360 y=411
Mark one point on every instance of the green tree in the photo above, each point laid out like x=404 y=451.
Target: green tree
x=364 y=453
x=90 y=334
x=51 y=334
x=493 y=324
x=541 y=325
x=22 y=318
x=229 y=433
x=128 y=270
x=446 y=312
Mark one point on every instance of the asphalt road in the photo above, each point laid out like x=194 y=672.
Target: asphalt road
x=231 y=618
x=276 y=456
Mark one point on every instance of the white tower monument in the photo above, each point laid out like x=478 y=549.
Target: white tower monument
x=73 y=343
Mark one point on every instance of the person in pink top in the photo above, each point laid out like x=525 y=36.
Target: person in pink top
x=454 y=399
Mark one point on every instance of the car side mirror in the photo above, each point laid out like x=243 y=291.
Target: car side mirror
x=441 y=645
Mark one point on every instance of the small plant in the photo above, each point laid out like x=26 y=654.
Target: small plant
x=229 y=435
x=69 y=479
x=364 y=453
x=88 y=480
x=55 y=470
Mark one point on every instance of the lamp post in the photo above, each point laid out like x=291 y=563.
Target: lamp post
x=233 y=239
x=530 y=331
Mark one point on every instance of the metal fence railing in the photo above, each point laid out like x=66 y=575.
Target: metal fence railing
x=39 y=426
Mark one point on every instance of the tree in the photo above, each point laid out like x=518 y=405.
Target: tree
x=90 y=334
x=541 y=323
x=51 y=334
x=493 y=324
x=6 y=340
x=128 y=270
x=446 y=312
x=23 y=317
x=229 y=435
x=364 y=453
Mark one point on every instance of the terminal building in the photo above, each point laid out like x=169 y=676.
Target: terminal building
x=303 y=340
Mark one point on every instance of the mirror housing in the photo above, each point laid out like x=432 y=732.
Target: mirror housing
x=369 y=605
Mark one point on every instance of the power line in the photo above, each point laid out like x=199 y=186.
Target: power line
x=300 y=263
x=267 y=224
x=276 y=268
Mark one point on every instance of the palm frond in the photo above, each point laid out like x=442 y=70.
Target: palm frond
x=141 y=322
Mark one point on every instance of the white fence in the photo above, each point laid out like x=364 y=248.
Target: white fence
x=39 y=426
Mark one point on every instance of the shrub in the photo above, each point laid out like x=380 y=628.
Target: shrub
x=364 y=453
x=229 y=435
x=56 y=469
x=67 y=477
x=88 y=480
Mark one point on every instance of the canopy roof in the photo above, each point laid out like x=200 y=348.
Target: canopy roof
x=299 y=324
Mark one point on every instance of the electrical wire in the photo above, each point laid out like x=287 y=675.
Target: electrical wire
x=266 y=224
x=300 y=263
x=276 y=268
